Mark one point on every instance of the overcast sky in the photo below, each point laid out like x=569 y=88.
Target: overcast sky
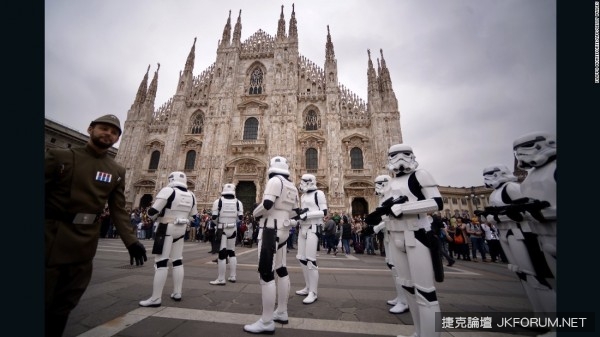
x=470 y=76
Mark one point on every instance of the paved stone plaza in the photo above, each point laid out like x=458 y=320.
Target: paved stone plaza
x=352 y=297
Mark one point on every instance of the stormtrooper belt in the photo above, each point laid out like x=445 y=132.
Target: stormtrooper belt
x=402 y=226
x=166 y=220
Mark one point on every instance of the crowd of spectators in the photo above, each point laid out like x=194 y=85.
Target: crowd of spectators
x=477 y=240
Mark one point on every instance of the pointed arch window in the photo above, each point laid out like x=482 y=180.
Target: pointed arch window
x=256 y=82
x=190 y=160
x=251 y=128
x=197 y=124
x=312 y=160
x=154 y=159
x=311 y=121
x=356 y=159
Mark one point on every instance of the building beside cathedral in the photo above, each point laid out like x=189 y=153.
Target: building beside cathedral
x=262 y=98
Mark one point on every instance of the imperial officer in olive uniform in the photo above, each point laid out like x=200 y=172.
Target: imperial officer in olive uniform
x=79 y=183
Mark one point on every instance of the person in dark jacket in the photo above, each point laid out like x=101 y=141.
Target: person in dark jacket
x=346 y=235
x=79 y=183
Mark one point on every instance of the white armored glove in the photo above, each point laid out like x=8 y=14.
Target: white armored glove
x=490 y=219
x=379 y=227
x=397 y=210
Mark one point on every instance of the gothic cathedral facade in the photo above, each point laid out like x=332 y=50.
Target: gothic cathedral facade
x=262 y=98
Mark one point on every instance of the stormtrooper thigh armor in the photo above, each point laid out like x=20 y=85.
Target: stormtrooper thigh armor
x=399 y=303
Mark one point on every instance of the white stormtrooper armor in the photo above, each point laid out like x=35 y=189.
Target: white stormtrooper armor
x=407 y=226
x=308 y=241
x=274 y=212
x=172 y=210
x=226 y=211
x=536 y=152
x=515 y=237
x=399 y=303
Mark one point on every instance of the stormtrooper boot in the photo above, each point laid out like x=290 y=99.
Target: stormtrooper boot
x=160 y=277
x=304 y=291
x=313 y=281
x=220 y=281
x=232 y=269
x=426 y=311
x=414 y=313
x=283 y=292
x=177 y=281
x=400 y=304
x=265 y=324
x=280 y=317
x=260 y=327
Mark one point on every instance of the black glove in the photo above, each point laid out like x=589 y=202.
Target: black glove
x=137 y=252
x=514 y=213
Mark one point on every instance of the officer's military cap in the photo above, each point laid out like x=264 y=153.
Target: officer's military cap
x=108 y=119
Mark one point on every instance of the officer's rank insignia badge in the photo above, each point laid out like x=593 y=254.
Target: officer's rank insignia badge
x=103 y=176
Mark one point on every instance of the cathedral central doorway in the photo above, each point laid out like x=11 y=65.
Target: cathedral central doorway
x=360 y=207
x=146 y=201
x=245 y=191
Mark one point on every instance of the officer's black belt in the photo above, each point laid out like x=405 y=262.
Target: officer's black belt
x=74 y=218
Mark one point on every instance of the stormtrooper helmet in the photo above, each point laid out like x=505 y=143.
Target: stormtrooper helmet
x=308 y=182
x=496 y=175
x=534 y=149
x=279 y=165
x=177 y=178
x=401 y=159
x=381 y=184
x=228 y=189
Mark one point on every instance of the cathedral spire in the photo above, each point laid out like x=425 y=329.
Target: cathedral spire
x=329 y=53
x=387 y=92
x=281 y=26
x=237 y=31
x=378 y=75
x=371 y=76
x=293 y=32
x=151 y=96
x=140 y=97
x=227 y=32
x=189 y=63
x=386 y=81
x=330 y=65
